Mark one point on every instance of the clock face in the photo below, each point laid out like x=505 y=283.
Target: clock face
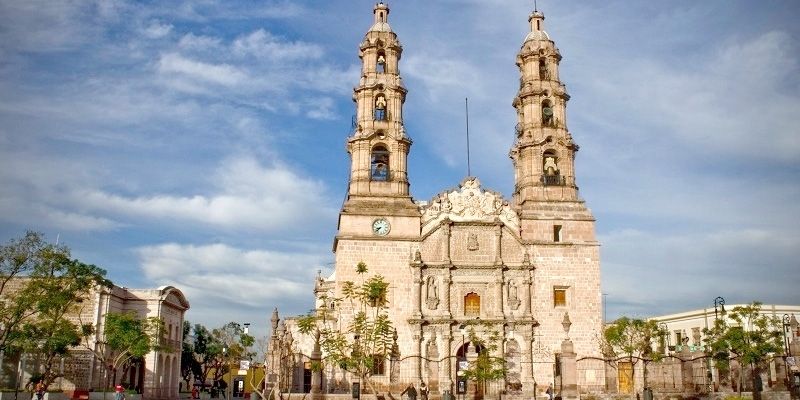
x=381 y=227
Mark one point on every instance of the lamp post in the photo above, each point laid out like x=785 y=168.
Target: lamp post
x=788 y=351
x=719 y=303
x=227 y=364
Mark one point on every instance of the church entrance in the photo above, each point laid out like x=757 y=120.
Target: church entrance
x=464 y=387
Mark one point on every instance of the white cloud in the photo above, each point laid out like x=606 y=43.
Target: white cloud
x=221 y=74
x=673 y=266
x=221 y=276
x=263 y=44
x=249 y=196
x=741 y=101
x=157 y=30
x=190 y=41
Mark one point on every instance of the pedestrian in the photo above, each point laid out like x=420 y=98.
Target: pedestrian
x=222 y=386
x=39 y=390
x=411 y=391
x=549 y=392
x=194 y=392
x=119 y=393
x=423 y=391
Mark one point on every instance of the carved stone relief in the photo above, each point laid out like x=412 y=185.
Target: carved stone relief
x=472 y=242
x=432 y=294
x=513 y=295
x=468 y=203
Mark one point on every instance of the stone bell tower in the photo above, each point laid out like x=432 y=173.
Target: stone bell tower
x=543 y=153
x=378 y=146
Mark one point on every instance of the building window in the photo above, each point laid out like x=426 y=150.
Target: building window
x=559 y=297
x=542 y=69
x=380 y=108
x=381 y=65
x=547 y=114
x=378 y=365
x=472 y=305
x=379 y=170
x=551 y=176
x=556 y=233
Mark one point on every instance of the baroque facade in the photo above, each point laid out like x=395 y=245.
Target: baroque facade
x=528 y=266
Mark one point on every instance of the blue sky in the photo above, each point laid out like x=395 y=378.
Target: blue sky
x=201 y=143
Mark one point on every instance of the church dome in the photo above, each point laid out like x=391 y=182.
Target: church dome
x=380 y=27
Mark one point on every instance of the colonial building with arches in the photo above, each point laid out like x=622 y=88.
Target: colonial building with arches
x=527 y=266
x=156 y=376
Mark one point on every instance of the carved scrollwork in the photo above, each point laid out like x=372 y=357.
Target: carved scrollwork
x=468 y=203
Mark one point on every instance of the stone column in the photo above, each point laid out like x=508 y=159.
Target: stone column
x=446 y=294
x=498 y=259
x=418 y=350
x=316 y=375
x=569 y=371
x=687 y=371
x=445 y=373
x=446 y=241
x=780 y=374
x=416 y=287
x=498 y=309
x=526 y=366
x=526 y=295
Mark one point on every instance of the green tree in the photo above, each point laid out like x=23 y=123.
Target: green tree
x=752 y=337
x=19 y=258
x=235 y=345
x=485 y=367
x=54 y=289
x=125 y=338
x=631 y=339
x=207 y=350
x=189 y=366
x=367 y=340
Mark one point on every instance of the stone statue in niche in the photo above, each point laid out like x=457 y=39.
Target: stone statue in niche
x=417 y=256
x=472 y=242
x=550 y=166
x=513 y=296
x=432 y=294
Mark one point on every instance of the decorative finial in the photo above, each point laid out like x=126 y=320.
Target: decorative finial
x=535 y=7
x=274 y=321
x=566 y=323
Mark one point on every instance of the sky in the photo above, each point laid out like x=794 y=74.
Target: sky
x=200 y=143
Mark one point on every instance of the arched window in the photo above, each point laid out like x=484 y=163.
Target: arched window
x=380 y=108
x=547 y=114
x=379 y=170
x=381 y=64
x=472 y=305
x=542 y=69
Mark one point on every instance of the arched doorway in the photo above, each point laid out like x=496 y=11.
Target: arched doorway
x=466 y=352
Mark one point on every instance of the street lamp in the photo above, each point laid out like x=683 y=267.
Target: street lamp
x=788 y=349
x=246 y=328
x=719 y=302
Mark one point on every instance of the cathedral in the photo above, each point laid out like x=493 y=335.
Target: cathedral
x=527 y=266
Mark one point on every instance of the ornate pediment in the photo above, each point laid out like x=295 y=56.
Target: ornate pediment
x=468 y=203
